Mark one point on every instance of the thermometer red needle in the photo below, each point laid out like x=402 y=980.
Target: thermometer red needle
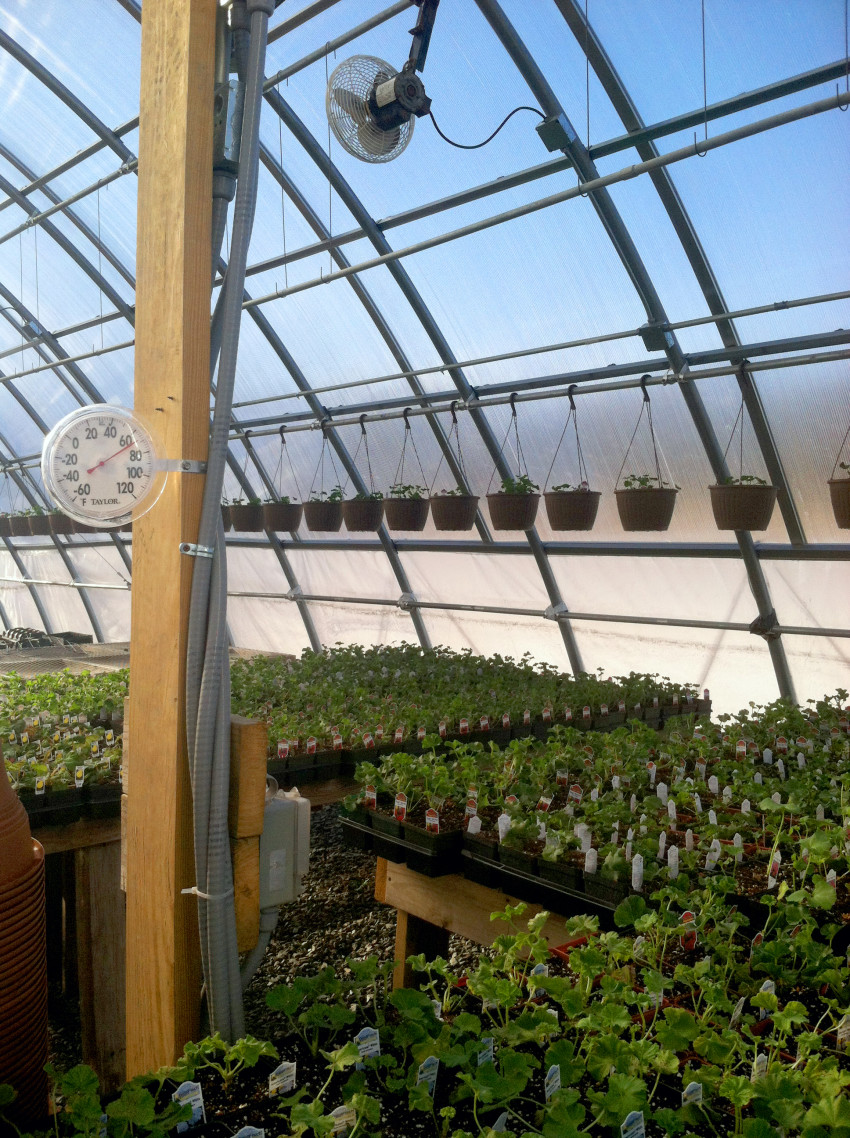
x=98 y=465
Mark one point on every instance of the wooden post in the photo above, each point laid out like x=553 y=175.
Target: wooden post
x=172 y=392
x=249 y=742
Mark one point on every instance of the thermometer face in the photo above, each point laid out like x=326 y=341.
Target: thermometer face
x=100 y=466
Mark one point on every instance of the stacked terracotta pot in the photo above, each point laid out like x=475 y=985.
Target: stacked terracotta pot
x=23 y=961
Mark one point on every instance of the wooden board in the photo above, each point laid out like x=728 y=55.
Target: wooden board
x=453 y=903
x=100 y=948
x=78 y=835
x=173 y=266
x=246 y=890
x=249 y=742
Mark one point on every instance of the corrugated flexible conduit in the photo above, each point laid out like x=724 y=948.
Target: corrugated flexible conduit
x=208 y=671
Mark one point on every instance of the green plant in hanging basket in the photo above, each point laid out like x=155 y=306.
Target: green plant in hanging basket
x=403 y=490
x=334 y=495
x=647 y=482
x=744 y=480
x=364 y=496
x=568 y=486
x=456 y=493
x=522 y=484
x=282 y=500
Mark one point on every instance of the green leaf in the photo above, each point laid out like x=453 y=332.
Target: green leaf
x=629 y=910
x=833 y=1113
x=823 y=895
x=7 y=1094
x=737 y=1089
x=135 y=1106
x=759 y=1128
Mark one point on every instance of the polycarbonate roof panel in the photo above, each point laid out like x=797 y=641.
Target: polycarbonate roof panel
x=767 y=211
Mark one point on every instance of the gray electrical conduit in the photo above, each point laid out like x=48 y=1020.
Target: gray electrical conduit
x=207 y=671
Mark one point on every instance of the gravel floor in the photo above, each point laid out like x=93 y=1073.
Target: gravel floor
x=336 y=916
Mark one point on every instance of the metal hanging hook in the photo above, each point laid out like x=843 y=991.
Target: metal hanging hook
x=363 y=423
x=570 y=391
x=643 y=380
x=512 y=402
x=405 y=415
x=453 y=411
x=697 y=151
x=282 y=439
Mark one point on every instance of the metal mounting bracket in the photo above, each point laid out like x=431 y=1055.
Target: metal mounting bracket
x=766 y=626
x=183 y=465
x=406 y=601
x=295 y=592
x=192 y=549
x=553 y=612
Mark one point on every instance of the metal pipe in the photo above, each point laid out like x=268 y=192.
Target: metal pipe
x=93 y=354
x=539 y=614
x=441 y=401
x=521 y=353
x=795 y=114
x=306 y=13
x=626 y=141
x=331 y=45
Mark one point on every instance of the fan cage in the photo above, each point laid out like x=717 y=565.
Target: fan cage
x=346 y=103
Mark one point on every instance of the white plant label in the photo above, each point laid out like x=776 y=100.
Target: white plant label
x=282 y=1079
x=689 y=840
x=745 y=806
x=661 y=791
x=487 y=1054
x=843 y=1031
x=345 y=1119
x=737 y=1011
x=474 y=825
x=712 y=818
x=368 y=1042
x=698 y=806
x=250 y=1132
x=767 y=757
x=662 y=845
x=759 y=1068
x=590 y=860
x=633 y=1125
x=713 y=784
x=504 y=824
x=637 y=875
x=673 y=863
x=500 y=1126
x=553 y=1081
x=427 y=1073
x=190 y=1094
x=692 y=1094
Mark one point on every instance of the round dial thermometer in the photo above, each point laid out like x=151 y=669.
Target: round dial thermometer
x=100 y=465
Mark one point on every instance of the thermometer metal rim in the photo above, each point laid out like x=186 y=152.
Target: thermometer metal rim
x=93 y=434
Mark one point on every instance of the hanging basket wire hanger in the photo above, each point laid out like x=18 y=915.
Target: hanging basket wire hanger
x=644 y=481
x=522 y=484
x=460 y=490
x=399 y=488
x=583 y=480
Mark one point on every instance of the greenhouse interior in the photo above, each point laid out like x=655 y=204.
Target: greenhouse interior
x=424 y=594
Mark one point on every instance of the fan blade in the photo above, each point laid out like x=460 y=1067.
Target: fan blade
x=351 y=104
x=377 y=142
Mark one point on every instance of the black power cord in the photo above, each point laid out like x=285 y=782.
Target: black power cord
x=478 y=145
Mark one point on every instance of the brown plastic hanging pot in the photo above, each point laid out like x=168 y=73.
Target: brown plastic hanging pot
x=61 y=523
x=282 y=517
x=19 y=525
x=649 y=508
x=454 y=511
x=323 y=517
x=513 y=511
x=226 y=519
x=363 y=515
x=406 y=513
x=742 y=507
x=572 y=509
x=39 y=525
x=247 y=518
x=5 y=525
x=839 y=493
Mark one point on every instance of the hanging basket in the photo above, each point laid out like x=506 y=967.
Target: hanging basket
x=282 y=517
x=323 y=517
x=5 y=526
x=649 y=508
x=39 y=525
x=406 y=513
x=226 y=519
x=839 y=492
x=742 y=507
x=513 y=511
x=247 y=519
x=572 y=509
x=19 y=525
x=363 y=515
x=454 y=511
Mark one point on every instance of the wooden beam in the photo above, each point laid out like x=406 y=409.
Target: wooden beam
x=249 y=745
x=100 y=948
x=173 y=263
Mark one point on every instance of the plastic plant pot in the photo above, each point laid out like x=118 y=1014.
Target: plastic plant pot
x=282 y=517
x=247 y=519
x=452 y=512
x=513 y=511
x=839 y=493
x=19 y=525
x=649 y=508
x=742 y=507
x=323 y=517
x=572 y=509
x=406 y=513
x=226 y=519
x=363 y=515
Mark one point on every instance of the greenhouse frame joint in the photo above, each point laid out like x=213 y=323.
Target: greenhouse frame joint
x=192 y=549
x=766 y=626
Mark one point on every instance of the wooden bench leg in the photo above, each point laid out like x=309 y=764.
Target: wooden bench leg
x=414 y=936
x=100 y=946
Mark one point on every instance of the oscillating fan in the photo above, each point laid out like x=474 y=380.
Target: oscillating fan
x=371 y=106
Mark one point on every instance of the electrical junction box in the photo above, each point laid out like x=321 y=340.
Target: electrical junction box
x=284 y=848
